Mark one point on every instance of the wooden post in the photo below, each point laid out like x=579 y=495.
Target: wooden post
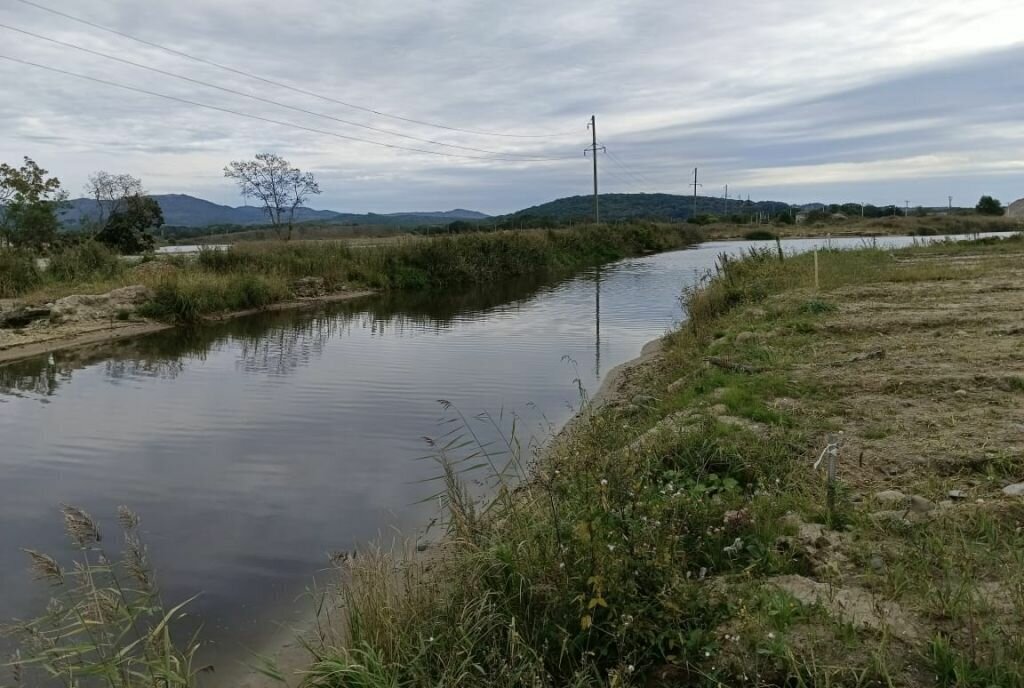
x=815 y=268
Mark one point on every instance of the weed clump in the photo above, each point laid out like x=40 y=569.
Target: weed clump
x=105 y=623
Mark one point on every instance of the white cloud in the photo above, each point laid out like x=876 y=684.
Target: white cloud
x=745 y=89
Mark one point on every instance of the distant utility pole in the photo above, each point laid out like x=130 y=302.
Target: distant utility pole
x=862 y=210
x=727 y=200
x=695 y=185
x=906 y=210
x=592 y=125
x=950 y=204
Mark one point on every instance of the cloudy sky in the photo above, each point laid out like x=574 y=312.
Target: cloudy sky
x=880 y=101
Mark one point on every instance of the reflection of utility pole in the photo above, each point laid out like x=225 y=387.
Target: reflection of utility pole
x=593 y=151
x=597 y=322
x=695 y=185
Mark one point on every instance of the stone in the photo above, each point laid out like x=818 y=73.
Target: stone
x=891 y=517
x=21 y=317
x=1015 y=490
x=956 y=494
x=920 y=504
x=877 y=564
x=890 y=498
x=644 y=400
x=961 y=393
x=745 y=337
x=741 y=423
x=791 y=521
x=677 y=386
x=891 y=469
x=719 y=410
x=859 y=607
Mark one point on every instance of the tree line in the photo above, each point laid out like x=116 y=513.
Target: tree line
x=125 y=217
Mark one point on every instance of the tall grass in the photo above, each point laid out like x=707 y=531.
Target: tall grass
x=253 y=275
x=18 y=273
x=589 y=571
x=105 y=624
x=83 y=262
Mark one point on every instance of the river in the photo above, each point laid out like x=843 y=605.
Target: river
x=253 y=448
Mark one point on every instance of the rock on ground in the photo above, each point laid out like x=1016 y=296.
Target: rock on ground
x=101 y=306
x=854 y=605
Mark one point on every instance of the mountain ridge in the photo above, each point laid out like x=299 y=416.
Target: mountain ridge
x=183 y=210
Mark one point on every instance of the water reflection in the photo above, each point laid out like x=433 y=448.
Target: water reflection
x=277 y=342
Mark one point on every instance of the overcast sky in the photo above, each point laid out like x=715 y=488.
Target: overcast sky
x=878 y=101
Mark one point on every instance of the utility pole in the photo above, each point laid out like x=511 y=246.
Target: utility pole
x=950 y=205
x=695 y=185
x=906 y=210
x=727 y=200
x=862 y=210
x=592 y=125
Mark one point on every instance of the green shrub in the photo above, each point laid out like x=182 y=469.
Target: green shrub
x=85 y=262
x=759 y=235
x=18 y=273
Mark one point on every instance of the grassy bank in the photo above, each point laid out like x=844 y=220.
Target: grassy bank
x=931 y=225
x=682 y=537
x=256 y=275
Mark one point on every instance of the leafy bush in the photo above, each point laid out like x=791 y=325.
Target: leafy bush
x=84 y=262
x=18 y=272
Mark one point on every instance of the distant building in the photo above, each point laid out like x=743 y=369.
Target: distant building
x=1015 y=209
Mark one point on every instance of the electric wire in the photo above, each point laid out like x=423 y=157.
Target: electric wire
x=261 y=99
x=289 y=87
x=269 y=120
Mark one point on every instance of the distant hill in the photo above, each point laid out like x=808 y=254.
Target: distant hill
x=181 y=210
x=1015 y=209
x=647 y=206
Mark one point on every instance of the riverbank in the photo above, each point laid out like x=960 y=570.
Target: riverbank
x=91 y=298
x=680 y=534
x=932 y=225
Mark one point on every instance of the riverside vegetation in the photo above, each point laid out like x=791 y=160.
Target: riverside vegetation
x=256 y=275
x=680 y=536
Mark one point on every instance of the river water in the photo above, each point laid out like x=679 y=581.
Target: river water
x=252 y=449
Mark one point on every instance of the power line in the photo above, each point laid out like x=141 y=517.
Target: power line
x=269 y=120
x=261 y=99
x=279 y=84
x=627 y=169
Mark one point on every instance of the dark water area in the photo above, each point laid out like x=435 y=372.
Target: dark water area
x=252 y=449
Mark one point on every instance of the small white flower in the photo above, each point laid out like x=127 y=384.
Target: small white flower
x=430 y=639
x=604 y=482
x=771 y=635
x=611 y=548
x=707 y=653
x=630 y=669
x=561 y=565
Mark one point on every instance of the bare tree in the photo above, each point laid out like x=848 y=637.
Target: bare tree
x=111 y=192
x=280 y=187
